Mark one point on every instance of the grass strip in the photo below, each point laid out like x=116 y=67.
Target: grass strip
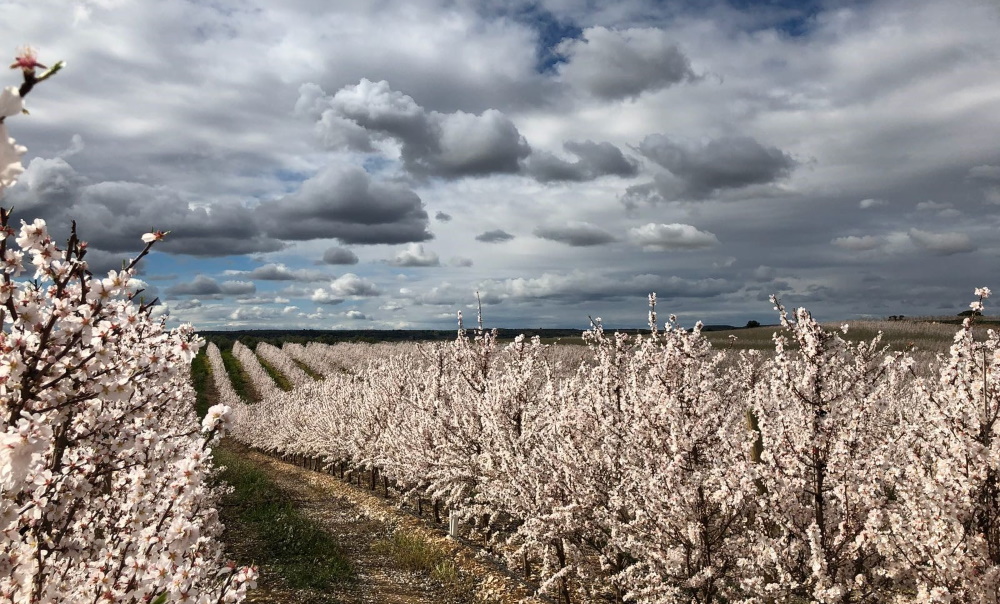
x=200 y=379
x=415 y=553
x=309 y=370
x=238 y=376
x=285 y=541
x=279 y=378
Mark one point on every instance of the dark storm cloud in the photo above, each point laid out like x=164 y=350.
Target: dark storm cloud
x=339 y=255
x=614 y=64
x=448 y=145
x=114 y=215
x=722 y=163
x=595 y=160
x=206 y=286
x=494 y=236
x=442 y=217
x=346 y=204
x=575 y=234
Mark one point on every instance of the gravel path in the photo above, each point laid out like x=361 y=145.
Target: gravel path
x=357 y=519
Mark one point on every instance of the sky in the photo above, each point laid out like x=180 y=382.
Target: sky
x=373 y=164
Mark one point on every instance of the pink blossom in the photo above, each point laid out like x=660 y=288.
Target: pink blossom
x=26 y=59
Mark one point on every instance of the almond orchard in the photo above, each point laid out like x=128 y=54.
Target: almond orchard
x=653 y=468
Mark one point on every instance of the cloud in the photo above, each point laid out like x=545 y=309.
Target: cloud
x=186 y=304
x=344 y=287
x=944 y=244
x=346 y=204
x=339 y=255
x=114 y=215
x=723 y=163
x=76 y=146
x=323 y=296
x=356 y=315
x=932 y=206
x=263 y=300
x=579 y=286
x=445 y=294
x=613 y=64
x=280 y=272
x=595 y=160
x=460 y=261
x=352 y=285
x=989 y=177
x=237 y=288
x=206 y=286
x=942 y=209
x=867 y=204
x=432 y=143
x=494 y=236
x=765 y=273
x=575 y=234
x=857 y=244
x=415 y=255
x=442 y=217
x=665 y=237
x=253 y=313
x=985 y=173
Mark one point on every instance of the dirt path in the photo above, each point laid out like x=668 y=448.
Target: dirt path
x=358 y=519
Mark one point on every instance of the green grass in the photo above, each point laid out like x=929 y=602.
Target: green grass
x=278 y=377
x=411 y=552
x=238 y=376
x=416 y=554
x=200 y=377
x=285 y=541
x=309 y=371
x=749 y=338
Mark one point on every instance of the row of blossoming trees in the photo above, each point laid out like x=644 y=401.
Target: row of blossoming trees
x=105 y=473
x=660 y=470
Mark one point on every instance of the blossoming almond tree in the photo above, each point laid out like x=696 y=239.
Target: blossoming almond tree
x=826 y=414
x=941 y=529
x=687 y=485
x=105 y=472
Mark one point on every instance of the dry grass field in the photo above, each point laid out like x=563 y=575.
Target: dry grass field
x=925 y=335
